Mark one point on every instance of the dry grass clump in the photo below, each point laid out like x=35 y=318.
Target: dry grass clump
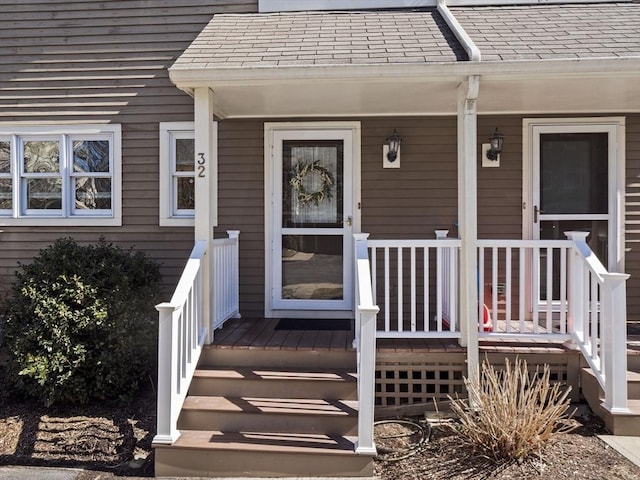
x=510 y=414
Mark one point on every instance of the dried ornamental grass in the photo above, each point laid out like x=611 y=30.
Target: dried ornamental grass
x=514 y=414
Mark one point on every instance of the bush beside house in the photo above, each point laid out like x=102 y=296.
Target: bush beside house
x=80 y=323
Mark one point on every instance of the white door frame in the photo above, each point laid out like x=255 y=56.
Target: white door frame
x=274 y=132
x=615 y=128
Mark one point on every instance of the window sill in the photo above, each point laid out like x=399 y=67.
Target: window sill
x=61 y=222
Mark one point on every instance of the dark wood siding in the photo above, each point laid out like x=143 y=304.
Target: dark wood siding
x=64 y=61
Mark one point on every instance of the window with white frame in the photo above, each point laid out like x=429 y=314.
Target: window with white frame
x=60 y=175
x=177 y=177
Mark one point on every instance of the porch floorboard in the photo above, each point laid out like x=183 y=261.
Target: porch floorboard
x=260 y=334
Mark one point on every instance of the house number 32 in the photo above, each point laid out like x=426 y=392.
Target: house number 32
x=201 y=163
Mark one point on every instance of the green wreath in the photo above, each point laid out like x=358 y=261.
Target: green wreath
x=298 y=173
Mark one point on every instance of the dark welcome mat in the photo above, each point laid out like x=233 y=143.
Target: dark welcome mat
x=314 y=324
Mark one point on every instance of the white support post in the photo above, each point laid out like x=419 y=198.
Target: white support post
x=614 y=342
x=206 y=188
x=468 y=219
x=167 y=423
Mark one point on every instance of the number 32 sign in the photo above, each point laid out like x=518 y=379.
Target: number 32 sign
x=201 y=165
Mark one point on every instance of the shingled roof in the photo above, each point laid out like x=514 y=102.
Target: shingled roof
x=328 y=38
x=547 y=32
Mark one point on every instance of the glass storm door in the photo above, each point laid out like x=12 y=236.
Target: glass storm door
x=313 y=217
x=570 y=193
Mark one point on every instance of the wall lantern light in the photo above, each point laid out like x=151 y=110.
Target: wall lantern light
x=495 y=145
x=393 y=142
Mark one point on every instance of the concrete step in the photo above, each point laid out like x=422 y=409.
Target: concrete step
x=217 y=357
x=210 y=453
x=227 y=414
x=270 y=382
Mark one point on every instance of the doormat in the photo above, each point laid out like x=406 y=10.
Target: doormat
x=314 y=324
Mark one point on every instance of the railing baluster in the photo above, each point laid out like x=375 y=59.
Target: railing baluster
x=549 y=293
x=494 y=285
x=522 y=288
x=563 y=290
x=507 y=288
x=439 y=288
x=453 y=287
x=536 y=285
x=374 y=274
x=400 y=299
x=425 y=274
x=413 y=289
x=480 y=281
x=387 y=288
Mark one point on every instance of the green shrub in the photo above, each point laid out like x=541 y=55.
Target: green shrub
x=81 y=323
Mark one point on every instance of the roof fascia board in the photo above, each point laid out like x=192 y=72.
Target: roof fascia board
x=270 y=6
x=184 y=77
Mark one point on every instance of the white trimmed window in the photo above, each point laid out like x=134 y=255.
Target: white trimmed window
x=177 y=177
x=60 y=175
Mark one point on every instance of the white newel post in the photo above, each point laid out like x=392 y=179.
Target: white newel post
x=614 y=341
x=167 y=418
x=577 y=315
x=365 y=331
x=468 y=219
x=206 y=188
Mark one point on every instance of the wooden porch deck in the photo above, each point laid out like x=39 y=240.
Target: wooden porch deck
x=261 y=334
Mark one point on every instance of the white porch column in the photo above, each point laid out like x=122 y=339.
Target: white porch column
x=206 y=185
x=468 y=219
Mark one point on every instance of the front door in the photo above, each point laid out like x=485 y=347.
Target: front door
x=312 y=221
x=573 y=188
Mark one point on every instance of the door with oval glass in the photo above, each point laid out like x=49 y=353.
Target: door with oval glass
x=312 y=220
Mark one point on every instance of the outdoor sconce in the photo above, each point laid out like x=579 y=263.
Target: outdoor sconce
x=391 y=151
x=495 y=145
x=491 y=151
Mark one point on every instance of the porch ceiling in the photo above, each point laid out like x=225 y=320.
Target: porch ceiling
x=320 y=91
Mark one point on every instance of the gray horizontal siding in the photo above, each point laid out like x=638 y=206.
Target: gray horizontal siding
x=632 y=221
x=103 y=62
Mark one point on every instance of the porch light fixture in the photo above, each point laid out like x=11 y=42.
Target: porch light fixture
x=393 y=142
x=495 y=145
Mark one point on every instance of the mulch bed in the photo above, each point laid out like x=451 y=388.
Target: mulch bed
x=110 y=440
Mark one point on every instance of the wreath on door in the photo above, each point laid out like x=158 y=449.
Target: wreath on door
x=299 y=174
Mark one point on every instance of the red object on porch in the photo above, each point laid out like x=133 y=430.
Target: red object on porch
x=487 y=324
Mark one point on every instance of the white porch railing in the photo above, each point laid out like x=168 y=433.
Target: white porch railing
x=597 y=314
x=183 y=326
x=427 y=271
x=181 y=334
x=225 y=276
x=365 y=345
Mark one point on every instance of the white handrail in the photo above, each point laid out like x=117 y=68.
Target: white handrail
x=365 y=344
x=598 y=320
x=181 y=335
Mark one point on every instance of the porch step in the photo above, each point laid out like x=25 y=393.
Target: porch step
x=287 y=415
x=268 y=413
x=260 y=454
x=264 y=382
x=617 y=423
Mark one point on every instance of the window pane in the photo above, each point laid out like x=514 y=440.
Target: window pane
x=91 y=156
x=186 y=193
x=312 y=267
x=312 y=184
x=44 y=194
x=41 y=156
x=5 y=157
x=573 y=173
x=5 y=193
x=184 y=154
x=93 y=193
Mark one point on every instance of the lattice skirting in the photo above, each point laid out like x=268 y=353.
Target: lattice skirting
x=421 y=378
